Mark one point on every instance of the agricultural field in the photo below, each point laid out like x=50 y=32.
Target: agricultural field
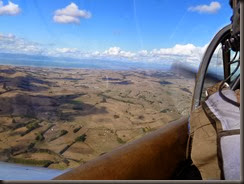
x=60 y=118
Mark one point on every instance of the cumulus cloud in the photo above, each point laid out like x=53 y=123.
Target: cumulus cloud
x=113 y=51
x=213 y=7
x=143 y=53
x=67 y=50
x=116 y=52
x=187 y=53
x=179 y=53
x=9 y=9
x=11 y=44
x=70 y=14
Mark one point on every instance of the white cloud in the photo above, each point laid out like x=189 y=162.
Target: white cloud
x=116 y=52
x=9 y=9
x=143 y=53
x=70 y=14
x=64 y=19
x=180 y=53
x=127 y=54
x=96 y=53
x=113 y=51
x=213 y=7
x=187 y=53
x=67 y=50
x=11 y=44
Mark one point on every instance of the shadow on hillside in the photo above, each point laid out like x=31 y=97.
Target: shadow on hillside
x=7 y=71
x=52 y=108
x=25 y=83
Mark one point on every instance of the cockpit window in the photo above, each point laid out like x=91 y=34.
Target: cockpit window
x=235 y=56
x=81 y=78
x=215 y=71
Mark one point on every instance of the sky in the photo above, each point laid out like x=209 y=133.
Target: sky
x=133 y=30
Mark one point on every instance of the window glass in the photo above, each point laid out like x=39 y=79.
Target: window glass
x=215 y=71
x=234 y=65
x=81 y=78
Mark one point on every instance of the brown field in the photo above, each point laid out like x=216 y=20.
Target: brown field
x=61 y=118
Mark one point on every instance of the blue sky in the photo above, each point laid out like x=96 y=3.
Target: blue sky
x=130 y=29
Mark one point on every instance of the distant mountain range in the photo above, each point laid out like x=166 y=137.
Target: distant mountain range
x=46 y=61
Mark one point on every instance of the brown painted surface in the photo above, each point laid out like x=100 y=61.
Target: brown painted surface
x=154 y=156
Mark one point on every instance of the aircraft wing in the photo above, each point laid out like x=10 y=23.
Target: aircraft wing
x=10 y=171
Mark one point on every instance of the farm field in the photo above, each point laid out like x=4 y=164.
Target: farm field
x=60 y=118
